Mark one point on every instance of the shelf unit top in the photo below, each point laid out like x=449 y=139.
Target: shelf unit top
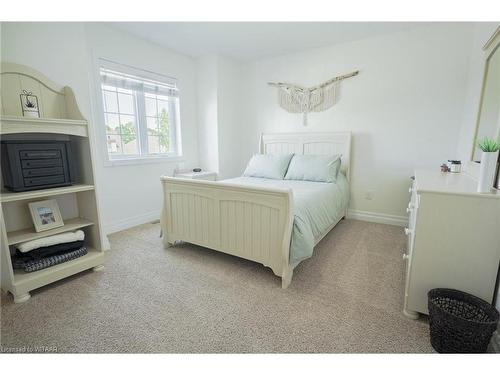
x=54 y=101
x=9 y=196
x=23 y=125
x=29 y=234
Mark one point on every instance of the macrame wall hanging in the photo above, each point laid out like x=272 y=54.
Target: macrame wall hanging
x=297 y=99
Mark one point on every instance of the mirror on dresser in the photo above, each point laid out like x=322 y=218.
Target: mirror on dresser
x=488 y=120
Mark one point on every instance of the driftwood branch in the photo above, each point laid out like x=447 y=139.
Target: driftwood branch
x=329 y=82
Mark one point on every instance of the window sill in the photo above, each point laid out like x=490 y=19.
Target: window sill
x=143 y=160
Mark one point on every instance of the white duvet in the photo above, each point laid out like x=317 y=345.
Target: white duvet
x=317 y=206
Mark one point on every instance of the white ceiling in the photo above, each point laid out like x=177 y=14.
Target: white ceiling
x=254 y=40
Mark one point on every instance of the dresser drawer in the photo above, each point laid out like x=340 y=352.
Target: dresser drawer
x=41 y=163
x=40 y=154
x=412 y=218
x=39 y=172
x=47 y=180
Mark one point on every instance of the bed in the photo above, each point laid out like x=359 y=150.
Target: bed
x=273 y=222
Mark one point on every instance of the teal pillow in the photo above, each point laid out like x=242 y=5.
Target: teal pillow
x=318 y=168
x=268 y=166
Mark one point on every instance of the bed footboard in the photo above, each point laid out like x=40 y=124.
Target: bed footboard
x=249 y=222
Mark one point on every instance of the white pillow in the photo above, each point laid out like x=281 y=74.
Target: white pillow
x=268 y=166
x=318 y=168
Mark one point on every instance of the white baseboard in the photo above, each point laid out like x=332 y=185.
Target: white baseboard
x=375 y=217
x=130 y=222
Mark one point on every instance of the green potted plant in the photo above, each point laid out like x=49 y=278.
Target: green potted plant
x=489 y=159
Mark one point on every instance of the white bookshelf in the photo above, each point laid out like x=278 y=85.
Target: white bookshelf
x=9 y=196
x=29 y=234
x=60 y=119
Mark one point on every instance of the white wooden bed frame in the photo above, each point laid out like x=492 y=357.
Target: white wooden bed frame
x=253 y=223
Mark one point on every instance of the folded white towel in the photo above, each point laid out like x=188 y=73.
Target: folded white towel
x=24 y=247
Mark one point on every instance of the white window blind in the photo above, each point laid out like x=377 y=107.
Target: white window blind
x=130 y=82
x=141 y=113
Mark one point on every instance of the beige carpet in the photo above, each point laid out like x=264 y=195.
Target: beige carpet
x=346 y=298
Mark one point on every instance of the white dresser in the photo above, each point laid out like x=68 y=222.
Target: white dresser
x=453 y=238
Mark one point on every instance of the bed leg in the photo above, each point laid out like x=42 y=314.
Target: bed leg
x=163 y=234
x=167 y=243
x=286 y=278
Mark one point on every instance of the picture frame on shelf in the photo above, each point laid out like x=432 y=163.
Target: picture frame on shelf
x=29 y=104
x=45 y=215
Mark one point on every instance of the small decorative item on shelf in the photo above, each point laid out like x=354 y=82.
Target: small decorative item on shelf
x=445 y=168
x=488 y=166
x=46 y=215
x=454 y=166
x=29 y=104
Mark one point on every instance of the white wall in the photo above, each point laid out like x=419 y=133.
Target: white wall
x=207 y=113
x=64 y=52
x=404 y=108
x=132 y=194
x=56 y=51
x=219 y=115
x=230 y=116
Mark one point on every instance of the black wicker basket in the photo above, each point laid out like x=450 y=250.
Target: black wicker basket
x=460 y=322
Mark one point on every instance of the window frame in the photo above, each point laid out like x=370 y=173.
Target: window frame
x=141 y=118
x=120 y=114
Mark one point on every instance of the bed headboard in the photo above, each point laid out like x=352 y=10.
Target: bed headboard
x=325 y=143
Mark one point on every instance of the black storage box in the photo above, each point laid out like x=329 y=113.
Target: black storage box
x=33 y=165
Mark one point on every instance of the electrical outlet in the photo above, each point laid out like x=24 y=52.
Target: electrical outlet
x=369 y=195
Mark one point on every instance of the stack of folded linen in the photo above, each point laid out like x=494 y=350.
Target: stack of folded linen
x=48 y=251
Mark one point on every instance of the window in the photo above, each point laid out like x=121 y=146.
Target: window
x=141 y=113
